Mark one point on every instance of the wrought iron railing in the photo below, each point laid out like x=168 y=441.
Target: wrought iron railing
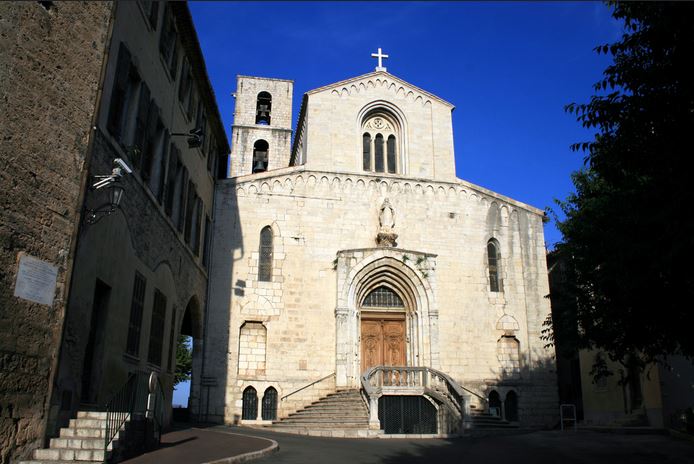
x=130 y=402
x=381 y=380
x=158 y=411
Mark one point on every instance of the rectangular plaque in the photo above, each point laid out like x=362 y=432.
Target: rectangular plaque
x=36 y=280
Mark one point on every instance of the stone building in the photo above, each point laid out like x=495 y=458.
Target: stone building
x=84 y=84
x=357 y=248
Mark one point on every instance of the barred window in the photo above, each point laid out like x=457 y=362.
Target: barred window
x=136 y=306
x=250 y=404
x=383 y=297
x=493 y=258
x=265 y=255
x=269 y=411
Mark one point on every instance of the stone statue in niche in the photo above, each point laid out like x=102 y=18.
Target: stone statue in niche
x=386 y=219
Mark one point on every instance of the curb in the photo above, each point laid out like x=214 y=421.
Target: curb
x=245 y=457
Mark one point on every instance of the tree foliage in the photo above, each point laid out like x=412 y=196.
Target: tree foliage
x=628 y=234
x=184 y=360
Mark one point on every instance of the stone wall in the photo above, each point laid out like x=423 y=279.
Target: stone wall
x=50 y=70
x=316 y=214
x=332 y=135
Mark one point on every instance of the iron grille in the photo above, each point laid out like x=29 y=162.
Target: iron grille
x=250 y=404
x=383 y=297
x=406 y=414
x=270 y=404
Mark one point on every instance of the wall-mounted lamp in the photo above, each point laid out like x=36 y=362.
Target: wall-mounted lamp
x=115 y=192
x=195 y=137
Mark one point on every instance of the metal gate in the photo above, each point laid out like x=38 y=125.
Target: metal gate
x=406 y=414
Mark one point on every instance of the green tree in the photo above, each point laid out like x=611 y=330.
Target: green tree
x=628 y=233
x=184 y=360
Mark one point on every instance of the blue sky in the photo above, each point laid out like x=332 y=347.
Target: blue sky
x=508 y=67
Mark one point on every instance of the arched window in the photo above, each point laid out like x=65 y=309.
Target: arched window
x=367 y=151
x=511 y=406
x=392 y=163
x=269 y=411
x=263 y=108
x=508 y=353
x=383 y=297
x=380 y=134
x=250 y=404
x=260 y=156
x=493 y=258
x=378 y=153
x=494 y=403
x=265 y=255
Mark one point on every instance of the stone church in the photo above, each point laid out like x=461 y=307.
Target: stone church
x=354 y=262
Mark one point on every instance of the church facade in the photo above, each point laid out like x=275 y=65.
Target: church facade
x=355 y=252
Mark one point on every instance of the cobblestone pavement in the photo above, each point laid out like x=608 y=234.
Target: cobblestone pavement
x=547 y=447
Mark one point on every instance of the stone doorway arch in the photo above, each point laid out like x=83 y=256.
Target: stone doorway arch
x=411 y=275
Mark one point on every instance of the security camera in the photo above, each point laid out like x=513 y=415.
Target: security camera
x=123 y=165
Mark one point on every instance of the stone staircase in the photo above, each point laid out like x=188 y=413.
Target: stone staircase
x=482 y=420
x=339 y=414
x=82 y=441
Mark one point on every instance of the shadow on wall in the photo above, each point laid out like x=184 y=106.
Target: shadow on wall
x=226 y=248
x=527 y=396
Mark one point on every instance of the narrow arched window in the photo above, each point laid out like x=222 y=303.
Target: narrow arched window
x=269 y=411
x=378 y=151
x=250 y=404
x=260 y=156
x=263 y=109
x=265 y=255
x=493 y=258
x=367 y=151
x=511 y=407
x=390 y=150
x=494 y=401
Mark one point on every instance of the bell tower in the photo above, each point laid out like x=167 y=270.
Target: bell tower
x=261 y=135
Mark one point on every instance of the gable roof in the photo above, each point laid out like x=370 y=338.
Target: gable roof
x=382 y=74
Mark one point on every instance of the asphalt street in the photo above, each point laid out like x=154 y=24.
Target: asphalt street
x=547 y=447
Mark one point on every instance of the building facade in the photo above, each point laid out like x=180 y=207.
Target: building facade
x=103 y=81
x=360 y=248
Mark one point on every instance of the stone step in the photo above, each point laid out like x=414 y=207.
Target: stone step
x=91 y=415
x=327 y=420
x=70 y=455
x=325 y=414
x=334 y=432
x=33 y=461
x=67 y=432
x=81 y=443
x=319 y=426
x=334 y=408
x=88 y=423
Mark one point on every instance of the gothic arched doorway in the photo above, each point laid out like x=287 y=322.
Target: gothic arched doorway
x=386 y=312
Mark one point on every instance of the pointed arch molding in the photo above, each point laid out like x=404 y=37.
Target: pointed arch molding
x=411 y=274
x=400 y=121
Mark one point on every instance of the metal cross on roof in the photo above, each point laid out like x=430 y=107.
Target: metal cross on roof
x=380 y=57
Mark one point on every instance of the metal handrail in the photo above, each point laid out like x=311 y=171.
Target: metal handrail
x=129 y=400
x=158 y=413
x=306 y=386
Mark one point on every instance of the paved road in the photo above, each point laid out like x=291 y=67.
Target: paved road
x=532 y=448
x=196 y=445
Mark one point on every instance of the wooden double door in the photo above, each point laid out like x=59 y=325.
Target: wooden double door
x=383 y=340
